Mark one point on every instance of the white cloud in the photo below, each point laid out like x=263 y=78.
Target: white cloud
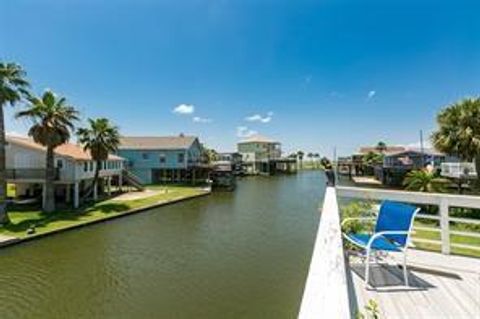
x=260 y=118
x=184 y=109
x=243 y=131
x=371 y=94
x=198 y=119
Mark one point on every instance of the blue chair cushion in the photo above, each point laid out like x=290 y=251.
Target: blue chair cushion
x=394 y=216
x=381 y=243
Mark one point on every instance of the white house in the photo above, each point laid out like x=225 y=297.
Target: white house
x=75 y=169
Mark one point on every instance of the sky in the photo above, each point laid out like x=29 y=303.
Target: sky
x=314 y=75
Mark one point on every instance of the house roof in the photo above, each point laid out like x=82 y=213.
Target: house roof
x=374 y=149
x=70 y=150
x=426 y=151
x=398 y=150
x=156 y=142
x=257 y=139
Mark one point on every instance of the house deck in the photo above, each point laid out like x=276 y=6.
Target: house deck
x=441 y=286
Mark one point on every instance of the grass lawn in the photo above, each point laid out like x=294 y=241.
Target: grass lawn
x=23 y=217
x=457 y=239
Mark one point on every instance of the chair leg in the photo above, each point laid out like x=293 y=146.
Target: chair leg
x=405 y=271
x=367 y=270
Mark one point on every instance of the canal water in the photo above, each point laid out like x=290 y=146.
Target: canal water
x=243 y=254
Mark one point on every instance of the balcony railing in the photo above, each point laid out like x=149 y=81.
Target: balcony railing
x=29 y=173
x=459 y=170
x=326 y=290
x=443 y=201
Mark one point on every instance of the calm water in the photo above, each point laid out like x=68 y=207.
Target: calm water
x=230 y=255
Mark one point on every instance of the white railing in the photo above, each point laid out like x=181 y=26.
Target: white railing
x=326 y=290
x=443 y=201
x=457 y=170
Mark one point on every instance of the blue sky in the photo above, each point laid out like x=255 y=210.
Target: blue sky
x=312 y=74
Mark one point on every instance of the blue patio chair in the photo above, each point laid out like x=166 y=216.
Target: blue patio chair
x=392 y=233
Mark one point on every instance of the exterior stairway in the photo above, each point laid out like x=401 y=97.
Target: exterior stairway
x=132 y=180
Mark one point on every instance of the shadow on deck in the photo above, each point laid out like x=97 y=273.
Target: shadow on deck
x=441 y=286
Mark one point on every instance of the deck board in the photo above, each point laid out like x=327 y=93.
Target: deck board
x=441 y=287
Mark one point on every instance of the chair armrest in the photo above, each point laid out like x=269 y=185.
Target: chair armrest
x=383 y=233
x=357 y=218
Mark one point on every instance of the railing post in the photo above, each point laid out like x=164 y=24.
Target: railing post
x=444 y=226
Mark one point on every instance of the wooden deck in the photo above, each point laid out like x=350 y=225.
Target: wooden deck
x=441 y=286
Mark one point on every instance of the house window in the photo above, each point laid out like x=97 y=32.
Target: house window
x=181 y=158
x=85 y=166
x=145 y=156
x=59 y=164
x=162 y=158
x=91 y=166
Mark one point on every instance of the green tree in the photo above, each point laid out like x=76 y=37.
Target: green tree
x=458 y=131
x=317 y=158
x=52 y=123
x=310 y=157
x=381 y=147
x=424 y=181
x=209 y=155
x=13 y=87
x=372 y=159
x=100 y=138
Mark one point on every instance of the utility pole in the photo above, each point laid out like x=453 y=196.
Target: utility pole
x=422 y=151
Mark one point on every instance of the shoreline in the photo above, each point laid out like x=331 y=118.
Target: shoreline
x=27 y=238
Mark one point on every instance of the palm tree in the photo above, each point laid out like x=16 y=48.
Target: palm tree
x=13 y=86
x=52 y=120
x=100 y=138
x=459 y=131
x=424 y=181
x=316 y=156
x=372 y=159
x=381 y=147
x=300 y=155
x=310 y=156
x=209 y=155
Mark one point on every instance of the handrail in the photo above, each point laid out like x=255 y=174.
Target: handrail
x=326 y=291
x=466 y=201
x=444 y=201
x=133 y=179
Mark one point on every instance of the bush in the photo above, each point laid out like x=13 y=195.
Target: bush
x=354 y=210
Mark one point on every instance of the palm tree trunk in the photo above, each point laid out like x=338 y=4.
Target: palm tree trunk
x=49 y=205
x=95 y=177
x=3 y=181
x=94 y=186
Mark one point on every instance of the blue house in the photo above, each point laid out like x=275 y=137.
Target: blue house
x=162 y=159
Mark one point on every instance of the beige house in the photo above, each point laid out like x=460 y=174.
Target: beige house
x=262 y=155
x=75 y=169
